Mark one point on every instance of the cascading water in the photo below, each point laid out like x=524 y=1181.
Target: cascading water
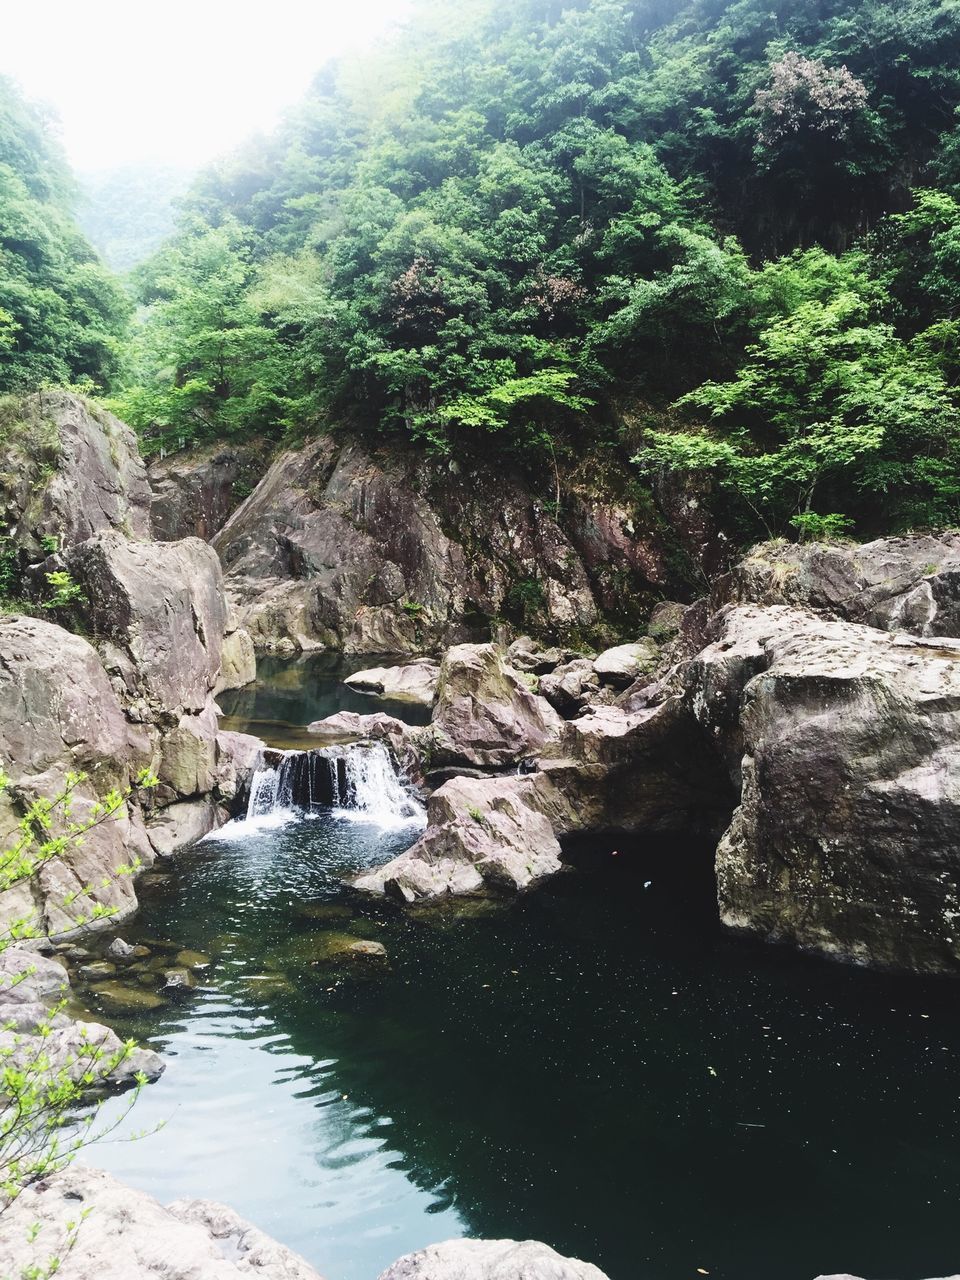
x=357 y=781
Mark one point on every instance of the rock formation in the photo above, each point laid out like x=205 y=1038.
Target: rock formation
x=32 y=987
x=137 y=694
x=405 y=682
x=490 y=1260
x=195 y=492
x=827 y=750
x=369 y=552
x=123 y=1234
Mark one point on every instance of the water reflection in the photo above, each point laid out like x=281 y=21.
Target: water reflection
x=596 y=1065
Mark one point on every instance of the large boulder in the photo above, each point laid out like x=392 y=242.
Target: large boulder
x=481 y=832
x=60 y=715
x=195 y=491
x=387 y=552
x=486 y=714
x=405 y=682
x=490 y=1260
x=68 y=470
x=910 y=583
x=158 y=613
x=123 y=1234
x=844 y=742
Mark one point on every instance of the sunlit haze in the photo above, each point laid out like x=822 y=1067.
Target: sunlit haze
x=178 y=82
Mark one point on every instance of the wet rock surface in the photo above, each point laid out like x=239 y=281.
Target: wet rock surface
x=34 y=990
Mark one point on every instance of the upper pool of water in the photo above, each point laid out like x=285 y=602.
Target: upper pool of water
x=290 y=693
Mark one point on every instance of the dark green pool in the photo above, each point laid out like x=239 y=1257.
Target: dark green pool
x=595 y=1065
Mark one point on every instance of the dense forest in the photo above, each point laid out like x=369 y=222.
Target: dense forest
x=707 y=236
x=127 y=213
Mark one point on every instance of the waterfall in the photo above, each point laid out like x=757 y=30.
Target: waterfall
x=356 y=781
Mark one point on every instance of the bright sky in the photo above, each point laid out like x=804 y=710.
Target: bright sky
x=176 y=81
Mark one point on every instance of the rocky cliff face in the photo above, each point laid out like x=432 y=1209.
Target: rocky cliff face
x=369 y=552
x=68 y=471
x=137 y=693
x=195 y=493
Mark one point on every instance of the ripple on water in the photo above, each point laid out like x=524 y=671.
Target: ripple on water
x=595 y=1065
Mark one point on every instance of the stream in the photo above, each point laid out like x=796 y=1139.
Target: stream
x=596 y=1064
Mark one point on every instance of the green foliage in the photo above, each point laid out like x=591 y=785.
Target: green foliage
x=62 y=316
x=39 y=1097
x=829 y=407
x=64 y=591
x=521 y=216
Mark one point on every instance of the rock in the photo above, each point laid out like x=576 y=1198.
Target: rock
x=624 y=663
x=59 y=714
x=525 y=654
x=389 y=552
x=238 y=661
x=32 y=991
x=127 y=1235
x=480 y=833
x=844 y=743
x=97 y=969
x=349 y=726
x=69 y=471
x=571 y=686
x=183 y=823
x=490 y=1260
x=409 y=682
x=122 y=997
x=239 y=756
x=195 y=491
x=122 y=951
x=666 y=621
x=178 y=980
x=193 y=959
x=485 y=716
x=159 y=615
x=188 y=754
x=910 y=583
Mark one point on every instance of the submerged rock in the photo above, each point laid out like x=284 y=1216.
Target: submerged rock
x=490 y=1260
x=120 y=996
x=127 y=1235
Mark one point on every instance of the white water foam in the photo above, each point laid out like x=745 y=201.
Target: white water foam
x=359 y=779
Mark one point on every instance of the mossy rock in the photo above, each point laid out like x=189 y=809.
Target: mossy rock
x=320 y=911
x=120 y=996
x=188 y=959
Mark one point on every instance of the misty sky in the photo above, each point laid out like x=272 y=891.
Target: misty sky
x=178 y=81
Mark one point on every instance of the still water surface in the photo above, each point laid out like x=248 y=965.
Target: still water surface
x=596 y=1065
